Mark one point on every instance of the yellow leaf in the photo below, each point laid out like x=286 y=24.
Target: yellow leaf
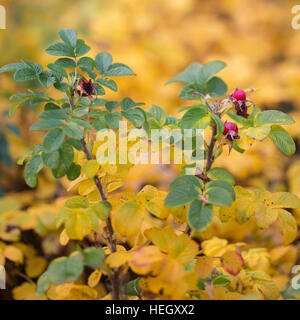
x=114 y=185
x=71 y=291
x=86 y=187
x=285 y=200
x=77 y=226
x=184 y=249
x=94 y=278
x=117 y=259
x=14 y=254
x=128 y=219
x=232 y=262
x=204 y=267
x=214 y=247
x=288 y=226
x=35 y=266
x=157 y=207
x=63 y=238
x=264 y=216
x=90 y=168
x=26 y=291
x=259 y=133
x=146 y=259
x=162 y=238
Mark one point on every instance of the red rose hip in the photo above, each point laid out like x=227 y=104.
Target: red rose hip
x=239 y=95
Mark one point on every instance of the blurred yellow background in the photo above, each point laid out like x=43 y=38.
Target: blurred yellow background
x=158 y=39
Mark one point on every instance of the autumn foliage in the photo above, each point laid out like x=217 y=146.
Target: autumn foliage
x=104 y=242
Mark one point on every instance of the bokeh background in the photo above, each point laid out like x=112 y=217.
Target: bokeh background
x=158 y=39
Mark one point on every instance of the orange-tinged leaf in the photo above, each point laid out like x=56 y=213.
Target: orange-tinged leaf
x=204 y=267
x=117 y=259
x=14 y=254
x=232 y=262
x=144 y=260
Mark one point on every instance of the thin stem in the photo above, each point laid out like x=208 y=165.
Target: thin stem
x=115 y=277
x=210 y=154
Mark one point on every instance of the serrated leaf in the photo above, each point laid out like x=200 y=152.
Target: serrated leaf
x=218 y=173
x=109 y=83
x=119 y=69
x=53 y=140
x=195 y=119
x=183 y=190
x=60 y=49
x=46 y=124
x=69 y=36
x=103 y=61
x=283 y=141
x=216 y=87
x=199 y=216
x=273 y=117
x=32 y=168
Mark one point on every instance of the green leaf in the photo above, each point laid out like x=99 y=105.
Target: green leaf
x=210 y=69
x=221 y=280
x=32 y=168
x=25 y=74
x=75 y=143
x=158 y=114
x=216 y=87
x=86 y=62
x=103 y=61
x=46 y=124
x=111 y=105
x=128 y=103
x=53 y=140
x=13 y=108
x=100 y=90
x=218 y=173
x=273 y=117
x=183 y=190
x=219 y=196
x=283 y=141
x=82 y=123
x=219 y=193
x=93 y=257
x=132 y=288
x=73 y=130
x=199 y=216
x=187 y=92
x=65 y=63
x=189 y=75
x=74 y=171
x=119 y=69
x=12 y=67
x=195 y=119
x=112 y=119
x=51 y=160
x=59 y=114
x=69 y=36
x=43 y=284
x=47 y=79
x=65 y=269
x=58 y=70
x=60 y=49
x=102 y=209
x=218 y=121
x=109 y=83
x=81 y=48
x=77 y=202
x=135 y=116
